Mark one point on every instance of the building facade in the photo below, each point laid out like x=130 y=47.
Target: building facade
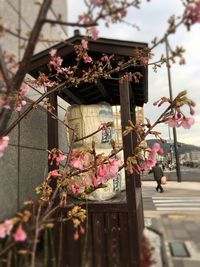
x=24 y=164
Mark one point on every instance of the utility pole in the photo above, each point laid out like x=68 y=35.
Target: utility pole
x=178 y=171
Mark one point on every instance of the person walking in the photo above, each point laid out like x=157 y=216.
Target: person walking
x=158 y=174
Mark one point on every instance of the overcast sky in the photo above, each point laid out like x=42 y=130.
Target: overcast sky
x=152 y=21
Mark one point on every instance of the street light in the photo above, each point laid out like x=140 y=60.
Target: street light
x=178 y=172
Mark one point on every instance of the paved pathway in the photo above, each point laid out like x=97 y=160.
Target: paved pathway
x=175 y=213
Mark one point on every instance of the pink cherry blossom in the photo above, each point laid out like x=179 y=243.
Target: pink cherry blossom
x=87 y=59
x=24 y=89
x=152 y=154
x=182 y=61
x=160 y=151
x=84 y=182
x=105 y=58
x=52 y=63
x=82 y=230
x=75 y=189
x=84 y=44
x=21 y=102
x=7 y=106
x=5 y=228
x=89 y=179
x=113 y=168
x=102 y=174
x=3 y=144
x=76 y=164
x=192 y=111
x=20 y=105
x=76 y=235
x=85 y=19
x=8 y=224
x=148 y=164
x=53 y=52
x=2 y=231
x=95 y=182
x=56 y=63
x=60 y=158
x=59 y=61
x=96 y=2
x=123 y=12
x=174 y=121
x=102 y=171
x=20 y=234
x=192 y=11
x=3 y=28
x=95 y=33
x=55 y=173
x=187 y=122
x=156 y=147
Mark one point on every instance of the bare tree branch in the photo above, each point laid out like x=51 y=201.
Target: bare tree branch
x=42 y=40
x=72 y=24
x=7 y=131
x=4 y=70
x=24 y=65
x=19 y=77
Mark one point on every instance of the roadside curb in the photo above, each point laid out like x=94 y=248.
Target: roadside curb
x=163 y=253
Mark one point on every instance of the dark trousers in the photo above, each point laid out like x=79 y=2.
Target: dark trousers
x=159 y=185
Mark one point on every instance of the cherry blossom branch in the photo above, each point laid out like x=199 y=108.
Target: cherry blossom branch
x=92 y=166
x=31 y=107
x=72 y=24
x=169 y=32
x=27 y=38
x=4 y=71
x=70 y=149
x=24 y=65
x=157 y=121
x=89 y=135
x=48 y=214
x=19 y=77
x=7 y=248
x=35 y=241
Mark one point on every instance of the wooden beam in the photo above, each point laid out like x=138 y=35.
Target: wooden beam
x=103 y=90
x=76 y=99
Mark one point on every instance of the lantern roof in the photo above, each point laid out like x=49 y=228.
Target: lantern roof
x=103 y=90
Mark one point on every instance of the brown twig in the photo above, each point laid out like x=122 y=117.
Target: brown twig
x=31 y=107
x=19 y=77
x=72 y=24
x=89 y=135
x=27 y=38
x=4 y=70
x=7 y=248
x=24 y=65
x=35 y=241
x=156 y=122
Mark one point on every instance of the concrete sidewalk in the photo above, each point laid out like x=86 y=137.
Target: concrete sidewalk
x=176 y=214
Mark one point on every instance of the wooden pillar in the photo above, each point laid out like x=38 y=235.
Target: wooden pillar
x=133 y=193
x=52 y=127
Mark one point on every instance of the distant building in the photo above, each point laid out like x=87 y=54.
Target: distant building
x=191 y=158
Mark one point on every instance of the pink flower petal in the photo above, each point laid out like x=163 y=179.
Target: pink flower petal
x=20 y=234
